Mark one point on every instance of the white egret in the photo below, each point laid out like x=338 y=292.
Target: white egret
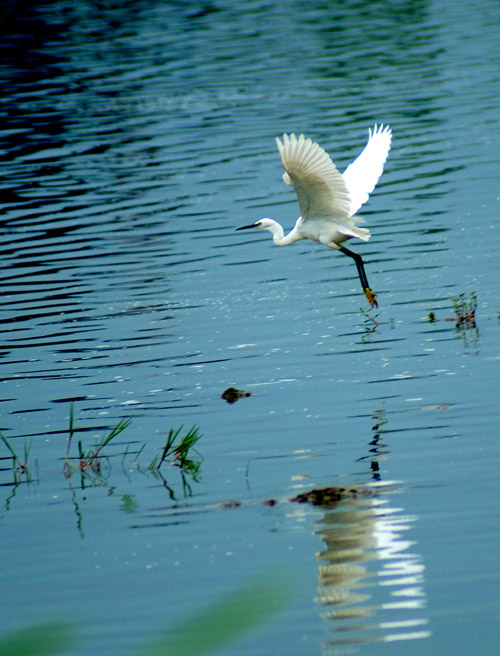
x=329 y=199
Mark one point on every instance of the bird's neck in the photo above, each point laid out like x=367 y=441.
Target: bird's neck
x=278 y=234
x=275 y=229
x=280 y=239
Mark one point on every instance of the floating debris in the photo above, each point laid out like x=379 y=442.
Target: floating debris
x=229 y=504
x=231 y=395
x=330 y=496
x=442 y=407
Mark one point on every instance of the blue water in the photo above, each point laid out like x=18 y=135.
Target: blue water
x=134 y=140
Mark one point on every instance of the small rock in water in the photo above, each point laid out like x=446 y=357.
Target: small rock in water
x=231 y=395
x=329 y=496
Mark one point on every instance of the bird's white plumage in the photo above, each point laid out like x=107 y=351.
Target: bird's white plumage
x=321 y=189
x=363 y=174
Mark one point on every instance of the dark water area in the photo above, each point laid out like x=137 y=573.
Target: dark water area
x=134 y=138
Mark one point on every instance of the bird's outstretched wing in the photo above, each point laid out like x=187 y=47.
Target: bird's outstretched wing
x=362 y=175
x=320 y=187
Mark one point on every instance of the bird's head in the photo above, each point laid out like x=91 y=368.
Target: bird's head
x=263 y=224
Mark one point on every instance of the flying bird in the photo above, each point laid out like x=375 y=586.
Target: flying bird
x=328 y=199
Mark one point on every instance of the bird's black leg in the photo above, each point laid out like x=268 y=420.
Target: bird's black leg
x=370 y=295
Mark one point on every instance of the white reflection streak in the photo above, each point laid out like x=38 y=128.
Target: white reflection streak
x=358 y=534
x=408 y=571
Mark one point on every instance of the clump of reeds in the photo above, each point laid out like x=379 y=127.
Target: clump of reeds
x=89 y=463
x=19 y=466
x=177 y=452
x=92 y=462
x=465 y=310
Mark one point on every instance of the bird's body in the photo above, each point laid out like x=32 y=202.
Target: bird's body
x=328 y=199
x=324 y=230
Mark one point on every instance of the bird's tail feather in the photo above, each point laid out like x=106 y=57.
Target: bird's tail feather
x=362 y=233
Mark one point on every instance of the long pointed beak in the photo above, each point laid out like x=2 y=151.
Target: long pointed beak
x=254 y=225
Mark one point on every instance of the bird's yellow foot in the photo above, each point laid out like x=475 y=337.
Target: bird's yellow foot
x=372 y=299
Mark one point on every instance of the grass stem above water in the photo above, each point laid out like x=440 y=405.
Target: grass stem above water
x=90 y=461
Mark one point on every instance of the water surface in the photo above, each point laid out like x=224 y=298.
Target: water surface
x=134 y=141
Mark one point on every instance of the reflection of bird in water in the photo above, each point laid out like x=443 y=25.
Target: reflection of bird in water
x=370 y=586
x=329 y=199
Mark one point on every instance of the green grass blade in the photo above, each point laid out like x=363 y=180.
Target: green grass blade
x=171 y=437
x=120 y=426
x=187 y=443
x=7 y=444
x=71 y=420
x=27 y=450
x=225 y=621
x=153 y=465
x=38 y=640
